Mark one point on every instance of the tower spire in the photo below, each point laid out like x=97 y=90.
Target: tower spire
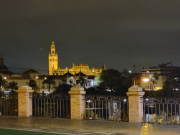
x=53 y=60
x=53 y=50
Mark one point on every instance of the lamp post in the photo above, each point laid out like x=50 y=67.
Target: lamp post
x=45 y=78
x=146 y=79
x=39 y=82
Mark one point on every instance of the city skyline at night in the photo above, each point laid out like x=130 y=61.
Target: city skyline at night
x=116 y=33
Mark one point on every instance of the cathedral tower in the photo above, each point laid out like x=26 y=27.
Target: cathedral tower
x=53 y=59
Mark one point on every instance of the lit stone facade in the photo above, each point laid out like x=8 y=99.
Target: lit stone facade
x=162 y=72
x=84 y=68
x=53 y=59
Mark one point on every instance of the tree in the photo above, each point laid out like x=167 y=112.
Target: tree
x=32 y=83
x=92 y=91
x=167 y=91
x=125 y=72
x=50 y=81
x=96 y=91
x=83 y=81
x=113 y=80
x=62 y=89
x=12 y=85
x=109 y=78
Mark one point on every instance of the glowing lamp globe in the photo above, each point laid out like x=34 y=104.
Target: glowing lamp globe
x=145 y=79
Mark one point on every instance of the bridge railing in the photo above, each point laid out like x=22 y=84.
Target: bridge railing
x=106 y=107
x=51 y=105
x=9 y=104
x=161 y=110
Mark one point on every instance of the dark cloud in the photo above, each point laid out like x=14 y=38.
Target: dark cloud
x=119 y=33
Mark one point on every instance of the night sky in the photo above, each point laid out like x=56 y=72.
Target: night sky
x=119 y=33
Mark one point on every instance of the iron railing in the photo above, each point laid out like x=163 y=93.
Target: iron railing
x=51 y=105
x=106 y=108
x=161 y=110
x=9 y=104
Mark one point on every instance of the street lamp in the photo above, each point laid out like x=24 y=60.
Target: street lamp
x=146 y=79
x=5 y=77
x=39 y=82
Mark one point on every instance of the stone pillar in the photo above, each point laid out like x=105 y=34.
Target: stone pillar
x=25 y=101
x=135 y=95
x=77 y=102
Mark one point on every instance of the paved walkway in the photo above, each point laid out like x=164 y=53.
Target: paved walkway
x=86 y=127
x=22 y=132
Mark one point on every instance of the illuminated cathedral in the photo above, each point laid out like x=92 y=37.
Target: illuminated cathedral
x=76 y=68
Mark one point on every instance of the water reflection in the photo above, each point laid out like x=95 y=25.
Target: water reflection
x=147 y=129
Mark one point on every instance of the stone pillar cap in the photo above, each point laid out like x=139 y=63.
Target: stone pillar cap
x=77 y=87
x=77 y=90
x=25 y=89
x=135 y=88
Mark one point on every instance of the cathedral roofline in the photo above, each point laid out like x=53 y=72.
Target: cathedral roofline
x=81 y=68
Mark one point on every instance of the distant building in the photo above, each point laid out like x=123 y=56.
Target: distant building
x=76 y=68
x=23 y=79
x=31 y=74
x=154 y=77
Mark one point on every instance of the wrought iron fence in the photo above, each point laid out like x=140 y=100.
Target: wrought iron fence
x=9 y=104
x=51 y=105
x=106 y=108
x=161 y=110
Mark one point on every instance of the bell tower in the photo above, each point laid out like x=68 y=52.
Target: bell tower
x=53 y=59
